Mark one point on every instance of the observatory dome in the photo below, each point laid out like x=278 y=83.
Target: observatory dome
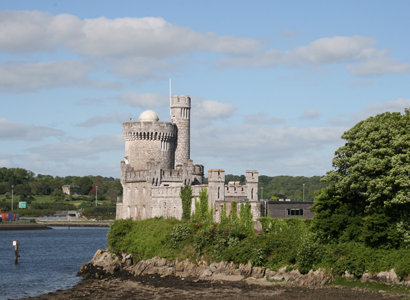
x=149 y=116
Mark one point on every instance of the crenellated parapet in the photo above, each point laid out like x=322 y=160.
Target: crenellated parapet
x=132 y=175
x=133 y=131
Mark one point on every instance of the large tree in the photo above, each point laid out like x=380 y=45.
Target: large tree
x=369 y=194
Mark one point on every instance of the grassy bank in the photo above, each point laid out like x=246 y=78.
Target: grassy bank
x=281 y=242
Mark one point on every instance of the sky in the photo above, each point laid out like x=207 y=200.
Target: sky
x=274 y=84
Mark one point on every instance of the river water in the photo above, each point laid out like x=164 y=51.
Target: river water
x=49 y=259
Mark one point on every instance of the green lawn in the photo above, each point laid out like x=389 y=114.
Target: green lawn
x=42 y=198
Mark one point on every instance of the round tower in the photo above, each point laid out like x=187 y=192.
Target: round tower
x=149 y=139
x=181 y=117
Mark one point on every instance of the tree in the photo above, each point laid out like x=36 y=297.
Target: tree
x=186 y=198
x=57 y=195
x=112 y=192
x=98 y=181
x=24 y=191
x=369 y=194
x=86 y=184
x=274 y=198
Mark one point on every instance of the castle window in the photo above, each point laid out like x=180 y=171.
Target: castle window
x=219 y=190
x=294 y=212
x=252 y=194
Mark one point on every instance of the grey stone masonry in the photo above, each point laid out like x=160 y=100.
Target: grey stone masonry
x=181 y=116
x=157 y=164
x=147 y=140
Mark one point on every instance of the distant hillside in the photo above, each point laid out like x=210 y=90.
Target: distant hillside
x=287 y=187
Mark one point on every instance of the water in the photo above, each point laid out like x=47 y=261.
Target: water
x=49 y=259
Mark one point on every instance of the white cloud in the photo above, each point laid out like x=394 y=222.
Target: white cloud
x=378 y=66
x=148 y=100
x=309 y=114
x=28 y=31
x=319 y=52
x=85 y=149
x=374 y=109
x=262 y=118
x=112 y=117
x=212 y=109
x=27 y=77
x=271 y=150
x=11 y=130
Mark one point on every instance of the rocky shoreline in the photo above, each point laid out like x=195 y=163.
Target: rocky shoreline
x=104 y=265
x=109 y=276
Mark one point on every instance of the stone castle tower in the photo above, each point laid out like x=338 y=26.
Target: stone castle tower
x=157 y=163
x=181 y=117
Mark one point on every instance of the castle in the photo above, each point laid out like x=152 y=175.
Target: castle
x=157 y=164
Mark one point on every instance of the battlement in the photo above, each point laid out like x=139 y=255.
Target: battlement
x=132 y=175
x=236 y=189
x=181 y=101
x=172 y=175
x=252 y=176
x=216 y=175
x=174 y=192
x=148 y=131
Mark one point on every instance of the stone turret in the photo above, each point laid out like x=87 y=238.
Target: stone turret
x=149 y=139
x=252 y=179
x=216 y=184
x=181 y=117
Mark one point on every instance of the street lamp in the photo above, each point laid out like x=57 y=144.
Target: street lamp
x=303 y=192
x=96 y=195
x=12 y=196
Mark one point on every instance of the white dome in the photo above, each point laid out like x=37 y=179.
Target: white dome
x=149 y=116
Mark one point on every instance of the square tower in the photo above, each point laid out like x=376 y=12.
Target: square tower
x=252 y=180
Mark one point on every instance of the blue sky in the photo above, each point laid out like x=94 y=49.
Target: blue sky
x=274 y=84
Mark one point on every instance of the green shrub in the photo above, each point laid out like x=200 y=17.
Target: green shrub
x=179 y=233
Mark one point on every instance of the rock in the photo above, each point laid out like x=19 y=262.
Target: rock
x=368 y=277
x=258 y=272
x=206 y=273
x=245 y=270
x=385 y=277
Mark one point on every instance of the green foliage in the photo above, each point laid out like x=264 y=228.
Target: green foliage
x=186 y=198
x=233 y=215
x=368 y=198
x=224 y=217
x=57 y=195
x=309 y=253
x=179 y=233
x=144 y=239
x=246 y=217
x=274 y=198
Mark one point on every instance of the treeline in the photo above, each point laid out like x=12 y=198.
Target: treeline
x=284 y=187
x=26 y=185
